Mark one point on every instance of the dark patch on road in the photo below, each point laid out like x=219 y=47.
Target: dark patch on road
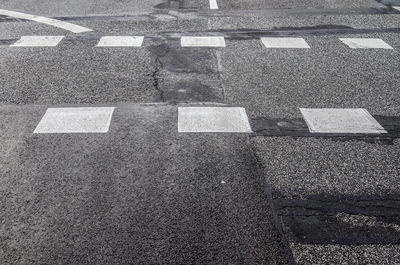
x=298 y=128
x=185 y=74
x=302 y=31
x=300 y=12
x=181 y=60
x=341 y=220
x=189 y=90
x=7 y=42
x=317 y=27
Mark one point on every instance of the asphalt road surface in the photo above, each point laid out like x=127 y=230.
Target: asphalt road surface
x=123 y=143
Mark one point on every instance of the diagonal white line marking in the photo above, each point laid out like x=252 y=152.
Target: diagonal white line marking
x=213 y=4
x=45 y=20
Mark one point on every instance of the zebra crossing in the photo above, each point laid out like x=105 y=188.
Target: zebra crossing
x=209 y=119
x=203 y=41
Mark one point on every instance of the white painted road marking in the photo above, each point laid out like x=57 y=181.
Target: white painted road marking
x=49 y=21
x=202 y=41
x=365 y=43
x=213 y=119
x=76 y=120
x=213 y=4
x=341 y=121
x=397 y=7
x=120 y=41
x=286 y=43
x=38 y=41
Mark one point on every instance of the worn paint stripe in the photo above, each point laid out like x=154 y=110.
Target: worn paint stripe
x=365 y=43
x=213 y=119
x=341 y=121
x=38 y=41
x=121 y=41
x=45 y=20
x=76 y=120
x=285 y=43
x=213 y=4
x=202 y=41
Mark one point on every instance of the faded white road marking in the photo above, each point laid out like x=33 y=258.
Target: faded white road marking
x=188 y=41
x=49 y=21
x=213 y=4
x=38 y=41
x=396 y=7
x=365 y=43
x=341 y=121
x=76 y=120
x=213 y=119
x=120 y=41
x=288 y=43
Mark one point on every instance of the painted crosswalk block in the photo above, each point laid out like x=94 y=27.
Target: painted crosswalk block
x=365 y=43
x=213 y=119
x=76 y=120
x=202 y=41
x=38 y=41
x=285 y=43
x=341 y=121
x=213 y=4
x=121 y=41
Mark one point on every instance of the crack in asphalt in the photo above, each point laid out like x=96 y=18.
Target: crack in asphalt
x=156 y=78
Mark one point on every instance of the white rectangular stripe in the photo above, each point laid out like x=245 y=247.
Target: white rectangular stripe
x=38 y=41
x=397 y=7
x=365 y=43
x=341 y=121
x=213 y=4
x=120 y=41
x=76 y=120
x=213 y=119
x=187 y=41
x=285 y=43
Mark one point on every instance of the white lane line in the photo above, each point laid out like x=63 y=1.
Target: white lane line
x=76 y=120
x=213 y=119
x=341 y=121
x=285 y=43
x=188 y=41
x=365 y=43
x=45 y=20
x=38 y=41
x=396 y=7
x=213 y=4
x=121 y=41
